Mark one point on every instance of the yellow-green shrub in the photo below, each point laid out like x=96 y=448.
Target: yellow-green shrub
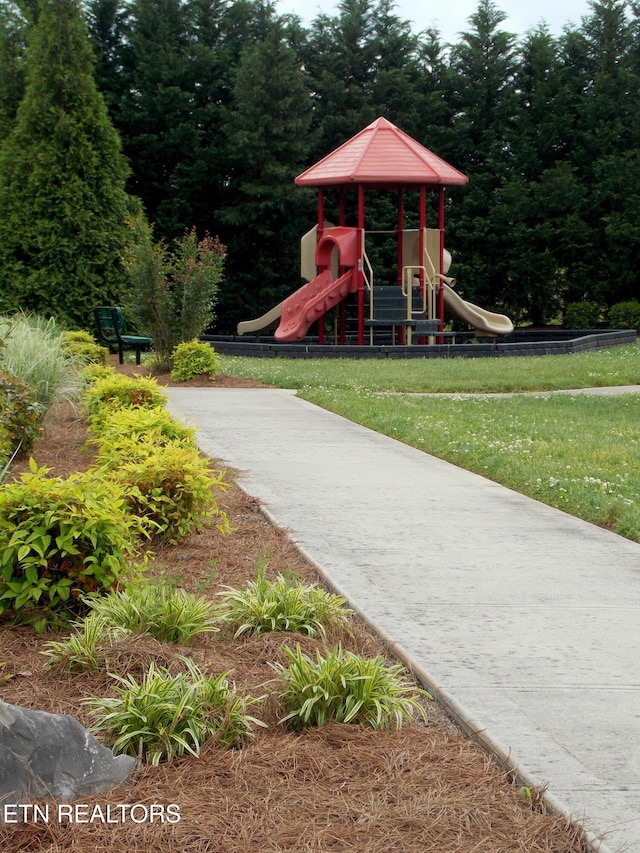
x=120 y=431
x=61 y=539
x=120 y=392
x=173 y=488
x=193 y=358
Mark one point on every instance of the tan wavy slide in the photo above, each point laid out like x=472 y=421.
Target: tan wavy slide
x=479 y=318
x=267 y=323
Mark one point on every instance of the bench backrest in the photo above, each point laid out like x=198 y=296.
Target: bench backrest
x=109 y=323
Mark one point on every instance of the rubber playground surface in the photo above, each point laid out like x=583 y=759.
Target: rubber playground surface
x=522 y=619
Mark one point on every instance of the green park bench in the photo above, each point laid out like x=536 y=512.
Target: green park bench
x=111 y=330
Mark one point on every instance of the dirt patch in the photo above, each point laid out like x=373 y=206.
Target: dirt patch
x=339 y=788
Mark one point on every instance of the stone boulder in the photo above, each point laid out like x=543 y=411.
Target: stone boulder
x=52 y=756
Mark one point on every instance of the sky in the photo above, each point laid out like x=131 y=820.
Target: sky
x=451 y=16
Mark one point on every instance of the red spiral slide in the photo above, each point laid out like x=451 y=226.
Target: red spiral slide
x=324 y=292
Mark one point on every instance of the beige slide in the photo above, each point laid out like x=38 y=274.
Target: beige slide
x=479 y=318
x=267 y=323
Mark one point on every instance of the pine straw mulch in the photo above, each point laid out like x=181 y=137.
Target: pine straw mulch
x=339 y=788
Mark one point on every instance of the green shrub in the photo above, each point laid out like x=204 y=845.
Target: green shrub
x=168 y=715
x=171 y=487
x=117 y=435
x=346 y=688
x=19 y=423
x=91 y=373
x=170 y=615
x=61 y=540
x=116 y=391
x=280 y=605
x=173 y=288
x=34 y=351
x=194 y=358
x=88 y=353
x=625 y=315
x=581 y=315
x=78 y=336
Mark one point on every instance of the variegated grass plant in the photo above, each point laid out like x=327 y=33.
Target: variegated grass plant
x=84 y=649
x=169 y=614
x=346 y=688
x=281 y=605
x=168 y=715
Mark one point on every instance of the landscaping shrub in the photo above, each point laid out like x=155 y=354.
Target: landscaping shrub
x=19 y=426
x=581 y=315
x=61 y=540
x=84 y=346
x=168 y=715
x=173 y=288
x=116 y=391
x=194 y=358
x=625 y=315
x=281 y=605
x=118 y=434
x=346 y=688
x=171 y=488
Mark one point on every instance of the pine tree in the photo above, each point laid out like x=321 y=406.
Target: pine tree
x=62 y=179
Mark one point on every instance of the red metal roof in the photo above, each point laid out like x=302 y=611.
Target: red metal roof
x=381 y=154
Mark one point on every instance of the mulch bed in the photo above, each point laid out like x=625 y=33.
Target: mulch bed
x=338 y=788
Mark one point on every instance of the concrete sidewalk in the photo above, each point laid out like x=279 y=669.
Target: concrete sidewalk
x=524 y=619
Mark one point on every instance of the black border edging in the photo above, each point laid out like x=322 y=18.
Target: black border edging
x=518 y=344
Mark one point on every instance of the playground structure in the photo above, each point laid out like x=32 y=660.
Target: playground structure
x=334 y=260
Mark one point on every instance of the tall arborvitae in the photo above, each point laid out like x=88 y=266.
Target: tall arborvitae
x=62 y=176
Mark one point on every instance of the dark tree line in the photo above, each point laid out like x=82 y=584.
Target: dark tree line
x=220 y=103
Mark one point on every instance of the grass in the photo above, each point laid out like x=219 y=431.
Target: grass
x=617 y=366
x=33 y=348
x=578 y=453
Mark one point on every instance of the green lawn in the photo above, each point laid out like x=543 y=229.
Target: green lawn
x=578 y=453
x=617 y=366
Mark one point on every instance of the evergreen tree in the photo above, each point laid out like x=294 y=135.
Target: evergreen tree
x=265 y=213
x=13 y=30
x=484 y=64
x=62 y=179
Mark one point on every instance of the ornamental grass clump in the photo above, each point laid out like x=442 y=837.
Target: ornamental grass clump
x=61 y=540
x=85 y=648
x=172 y=489
x=280 y=605
x=34 y=349
x=346 y=688
x=168 y=614
x=168 y=715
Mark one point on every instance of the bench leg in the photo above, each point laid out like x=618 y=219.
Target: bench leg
x=120 y=354
x=137 y=355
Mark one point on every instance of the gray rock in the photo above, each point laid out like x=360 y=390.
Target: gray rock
x=52 y=756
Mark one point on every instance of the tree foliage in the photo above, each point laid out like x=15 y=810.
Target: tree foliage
x=220 y=103
x=62 y=179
